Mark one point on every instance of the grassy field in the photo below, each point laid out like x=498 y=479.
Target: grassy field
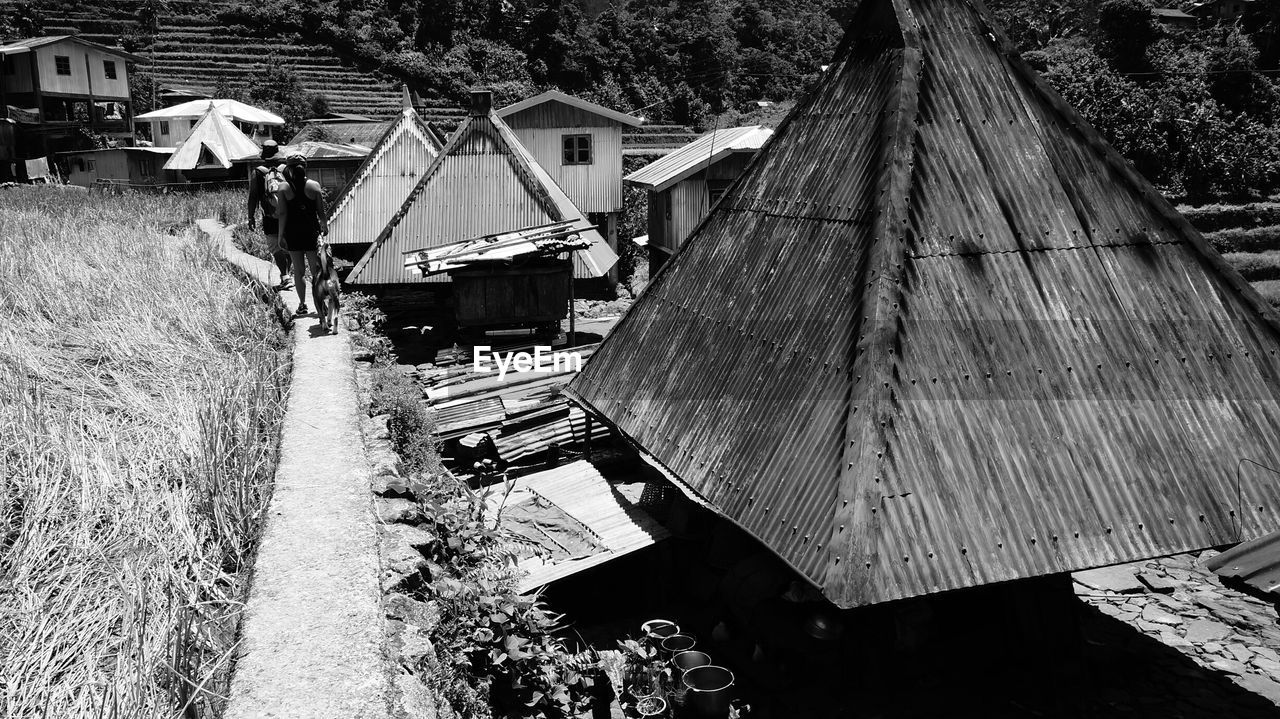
x=139 y=412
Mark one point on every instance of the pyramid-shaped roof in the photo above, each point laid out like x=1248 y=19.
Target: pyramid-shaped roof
x=213 y=142
x=483 y=182
x=940 y=334
x=383 y=181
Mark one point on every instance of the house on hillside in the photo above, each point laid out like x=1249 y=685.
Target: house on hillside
x=1173 y=17
x=684 y=185
x=332 y=164
x=1221 y=10
x=579 y=144
x=381 y=183
x=484 y=182
x=171 y=126
x=170 y=95
x=913 y=351
x=127 y=166
x=55 y=87
x=215 y=150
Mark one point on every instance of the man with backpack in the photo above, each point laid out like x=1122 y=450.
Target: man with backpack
x=260 y=196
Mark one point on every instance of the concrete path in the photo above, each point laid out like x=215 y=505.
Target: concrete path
x=313 y=634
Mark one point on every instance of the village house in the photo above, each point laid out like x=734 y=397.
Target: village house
x=215 y=150
x=405 y=149
x=1222 y=10
x=579 y=144
x=53 y=88
x=685 y=184
x=170 y=126
x=129 y=166
x=484 y=182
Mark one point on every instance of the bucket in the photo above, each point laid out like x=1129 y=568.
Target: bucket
x=709 y=687
x=677 y=643
x=684 y=661
x=655 y=630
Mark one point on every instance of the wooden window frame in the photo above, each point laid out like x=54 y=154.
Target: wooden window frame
x=109 y=69
x=60 y=61
x=573 y=155
x=164 y=127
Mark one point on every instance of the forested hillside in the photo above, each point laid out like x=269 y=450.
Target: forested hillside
x=1194 y=108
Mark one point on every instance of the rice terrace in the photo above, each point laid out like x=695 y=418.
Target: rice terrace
x=680 y=359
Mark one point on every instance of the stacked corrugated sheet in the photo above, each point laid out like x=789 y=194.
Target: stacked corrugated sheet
x=521 y=412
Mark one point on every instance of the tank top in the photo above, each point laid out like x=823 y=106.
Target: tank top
x=303 y=225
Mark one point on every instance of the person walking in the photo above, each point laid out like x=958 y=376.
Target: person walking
x=260 y=198
x=304 y=223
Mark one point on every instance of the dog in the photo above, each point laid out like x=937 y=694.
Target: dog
x=324 y=291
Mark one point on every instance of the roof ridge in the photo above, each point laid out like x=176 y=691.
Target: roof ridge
x=378 y=151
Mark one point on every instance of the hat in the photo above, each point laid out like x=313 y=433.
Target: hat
x=269 y=149
x=296 y=158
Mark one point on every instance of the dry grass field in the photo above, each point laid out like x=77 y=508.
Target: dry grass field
x=141 y=389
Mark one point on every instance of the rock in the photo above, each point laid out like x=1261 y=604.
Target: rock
x=378 y=427
x=1110 y=610
x=416 y=699
x=1155 y=614
x=1169 y=638
x=1260 y=685
x=359 y=354
x=1157 y=582
x=415 y=645
x=1230 y=666
x=1267 y=666
x=1118 y=579
x=1207 y=555
x=1150 y=627
x=384 y=461
x=1213 y=647
x=1265 y=653
x=391 y=485
x=1200 y=631
x=425 y=367
x=403 y=608
x=1128 y=617
x=395 y=509
x=1239 y=653
x=402 y=562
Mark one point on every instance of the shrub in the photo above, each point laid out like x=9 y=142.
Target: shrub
x=1270 y=291
x=1258 y=239
x=1211 y=218
x=1255 y=266
x=411 y=424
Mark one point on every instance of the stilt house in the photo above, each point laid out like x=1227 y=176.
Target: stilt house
x=940 y=334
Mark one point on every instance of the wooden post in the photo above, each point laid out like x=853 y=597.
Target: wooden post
x=93 y=106
x=586 y=448
x=573 y=315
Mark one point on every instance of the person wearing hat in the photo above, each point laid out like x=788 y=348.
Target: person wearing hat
x=259 y=197
x=304 y=223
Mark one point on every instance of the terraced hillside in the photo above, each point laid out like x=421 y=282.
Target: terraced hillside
x=195 y=49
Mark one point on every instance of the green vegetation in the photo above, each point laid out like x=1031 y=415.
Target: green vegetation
x=139 y=418
x=1255 y=267
x=1258 y=239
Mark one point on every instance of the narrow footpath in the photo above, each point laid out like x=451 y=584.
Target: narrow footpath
x=313 y=634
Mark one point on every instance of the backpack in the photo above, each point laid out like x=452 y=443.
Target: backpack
x=276 y=190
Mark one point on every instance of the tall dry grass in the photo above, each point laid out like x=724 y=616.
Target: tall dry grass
x=141 y=389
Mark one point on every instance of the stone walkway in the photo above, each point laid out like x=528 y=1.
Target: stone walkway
x=313 y=633
x=1177 y=602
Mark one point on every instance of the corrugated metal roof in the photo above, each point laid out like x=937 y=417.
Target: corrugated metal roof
x=314 y=150
x=224 y=143
x=609 y=512
x=383 y=181
x=939 y=334
x=233 y=109
x=699 y=155
x=621 y=118
x=1256 y=563
x=21 y=46
x=483 y=182
x=544 y=240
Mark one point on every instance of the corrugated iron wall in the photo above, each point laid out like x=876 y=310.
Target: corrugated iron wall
x=941 y=335
x=593 y=188
x=382 y=183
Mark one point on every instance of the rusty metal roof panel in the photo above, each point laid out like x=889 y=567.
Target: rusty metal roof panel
x=939 y=334
x=383 y=181
x=699 y=155
x=1256 y=563
x=483 y=182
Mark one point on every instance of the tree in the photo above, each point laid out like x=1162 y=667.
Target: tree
x=1126 y=28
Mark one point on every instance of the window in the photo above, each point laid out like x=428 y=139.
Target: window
x=109 y=69
x=89 y=165
x=577 y=149
x=164 y=127
x=62 y=63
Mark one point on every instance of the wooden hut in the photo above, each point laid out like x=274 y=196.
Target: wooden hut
x=484 y=182
x=379 y=186
x=685 y=184
x=940 y=334
x=579 y=144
